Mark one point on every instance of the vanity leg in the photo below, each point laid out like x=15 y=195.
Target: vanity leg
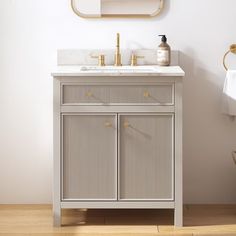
x=57 y=217
x=56 y=155
x=178 y=221
x=178 y=156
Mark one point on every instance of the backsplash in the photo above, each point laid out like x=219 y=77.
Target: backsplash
x=83 y=57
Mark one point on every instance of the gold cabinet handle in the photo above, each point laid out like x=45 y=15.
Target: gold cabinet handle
x=108 y=124
x=89 y=94
x=146 y=94
x=234 y=156
x=126 y=124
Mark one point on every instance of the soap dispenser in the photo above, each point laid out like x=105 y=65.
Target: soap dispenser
x=163 y=52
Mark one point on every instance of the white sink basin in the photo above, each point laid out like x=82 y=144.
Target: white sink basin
x=121 y=69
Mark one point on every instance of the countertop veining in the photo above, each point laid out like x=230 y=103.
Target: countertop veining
x=117 y=71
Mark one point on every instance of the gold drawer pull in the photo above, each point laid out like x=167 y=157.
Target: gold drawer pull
x=89 y=94
x=234 y=156
x=126 y=124
x=146 y=94
x=108 y=124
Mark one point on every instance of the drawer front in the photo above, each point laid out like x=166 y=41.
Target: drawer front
x=140 y=94
x=84 y=94
x=157 y=94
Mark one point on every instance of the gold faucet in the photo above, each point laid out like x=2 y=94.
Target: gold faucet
x=117 y=54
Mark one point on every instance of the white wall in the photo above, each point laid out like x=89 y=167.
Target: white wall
x=30 y=33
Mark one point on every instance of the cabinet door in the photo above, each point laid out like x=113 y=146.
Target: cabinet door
x=146 y=157
x=89 y=157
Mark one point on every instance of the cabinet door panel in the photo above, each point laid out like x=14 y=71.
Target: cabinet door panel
x=89 y=157
x=146 y=157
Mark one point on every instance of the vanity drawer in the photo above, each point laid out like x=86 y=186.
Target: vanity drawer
x=156 y=94
x=161 y=94
x=84 y=94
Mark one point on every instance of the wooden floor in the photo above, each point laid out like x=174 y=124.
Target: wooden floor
x=199 y=220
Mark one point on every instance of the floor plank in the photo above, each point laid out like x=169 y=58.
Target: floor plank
x=36 y=220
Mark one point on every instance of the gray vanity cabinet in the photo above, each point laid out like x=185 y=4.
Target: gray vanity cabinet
x=146 y=157
x=89 y=157
x=118 y=142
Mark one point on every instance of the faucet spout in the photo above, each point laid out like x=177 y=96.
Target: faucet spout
x=117 y=54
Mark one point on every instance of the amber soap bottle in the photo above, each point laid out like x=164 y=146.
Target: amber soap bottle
x=163 y=52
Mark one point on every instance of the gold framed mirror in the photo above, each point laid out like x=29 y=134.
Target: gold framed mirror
x=117 y=8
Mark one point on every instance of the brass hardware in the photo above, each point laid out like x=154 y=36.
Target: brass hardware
x=126 y=124
x=89 y=94
x=234 y=156
x=80 y=14
x=134 y=59
x=117 y=54
x=232 y=49
x=108 y=124
x=146 y=94
x=101 y=59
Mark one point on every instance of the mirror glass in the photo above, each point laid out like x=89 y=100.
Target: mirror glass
x=117 y=8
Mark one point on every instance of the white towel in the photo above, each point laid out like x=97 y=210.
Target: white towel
x=229 y=94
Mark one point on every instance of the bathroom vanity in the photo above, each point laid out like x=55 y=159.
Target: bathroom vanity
x=118 y=138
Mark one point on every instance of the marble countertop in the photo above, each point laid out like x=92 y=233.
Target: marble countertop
x=117 y=71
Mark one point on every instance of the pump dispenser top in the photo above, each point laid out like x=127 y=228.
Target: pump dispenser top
x=163 y=52
x=163 y=38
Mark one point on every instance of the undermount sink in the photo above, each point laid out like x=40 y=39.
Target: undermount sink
x=120 y=69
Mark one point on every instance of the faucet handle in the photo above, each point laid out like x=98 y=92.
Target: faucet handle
x=101 y=59
x=134 y=59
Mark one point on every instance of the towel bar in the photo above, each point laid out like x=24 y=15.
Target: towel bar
x=232 y=49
